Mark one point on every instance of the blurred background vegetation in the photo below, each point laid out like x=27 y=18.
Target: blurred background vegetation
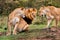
x=6 y=6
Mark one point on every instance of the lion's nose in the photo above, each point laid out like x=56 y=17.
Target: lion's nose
x=45 y=15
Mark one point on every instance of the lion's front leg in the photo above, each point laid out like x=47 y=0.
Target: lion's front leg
x=15 y=29
x=57 y=22
x=48 y=23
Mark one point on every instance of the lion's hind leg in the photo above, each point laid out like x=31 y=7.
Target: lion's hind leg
x=9 y=29
x=15 y=29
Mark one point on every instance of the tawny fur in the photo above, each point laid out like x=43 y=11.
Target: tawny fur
x=14 y=19
x=20 y=22
x=51 y=12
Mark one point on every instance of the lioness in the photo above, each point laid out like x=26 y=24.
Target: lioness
x=14 y=18
x=20 y=18
x=51 y=12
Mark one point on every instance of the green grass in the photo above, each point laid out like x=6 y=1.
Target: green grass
x=34 y=31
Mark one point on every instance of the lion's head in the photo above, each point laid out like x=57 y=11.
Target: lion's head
x=30 y=13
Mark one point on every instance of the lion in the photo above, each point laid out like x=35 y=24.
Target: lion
x=14 y=18
x=30 y=14
x=51 y=13
x=20 y=18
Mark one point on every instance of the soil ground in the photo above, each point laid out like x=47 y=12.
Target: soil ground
x=52 y=33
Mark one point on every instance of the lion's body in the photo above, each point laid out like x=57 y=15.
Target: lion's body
x=54 y=11
x=14 y=19
x=21 y=25
x=15 y=13
x=51 y=12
